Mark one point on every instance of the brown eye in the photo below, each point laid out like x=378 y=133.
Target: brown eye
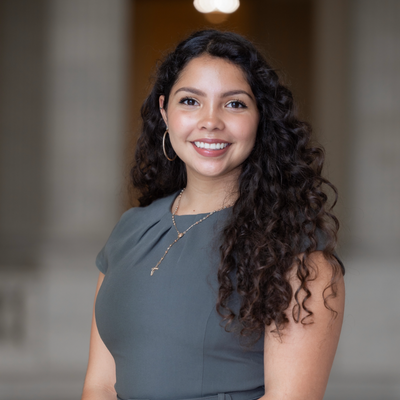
x=236 y=104
x=189 y=101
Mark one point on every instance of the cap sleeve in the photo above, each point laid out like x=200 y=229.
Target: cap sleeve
x=102 y=258
x=129 y=230
x=101 y=262
x=321 y=244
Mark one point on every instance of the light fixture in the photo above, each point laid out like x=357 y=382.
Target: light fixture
x=222 y=6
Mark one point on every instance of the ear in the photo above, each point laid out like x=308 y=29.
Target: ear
x=162 y=110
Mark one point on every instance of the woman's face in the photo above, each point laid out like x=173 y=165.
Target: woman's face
x=212 y=118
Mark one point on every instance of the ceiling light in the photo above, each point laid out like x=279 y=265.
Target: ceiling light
x=224 y=6
x=227 y=6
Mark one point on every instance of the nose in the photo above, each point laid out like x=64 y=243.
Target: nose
x=211 y=119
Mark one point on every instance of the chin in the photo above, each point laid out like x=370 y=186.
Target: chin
x=215 y=173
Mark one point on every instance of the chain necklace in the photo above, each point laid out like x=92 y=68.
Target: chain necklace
x=181 y=234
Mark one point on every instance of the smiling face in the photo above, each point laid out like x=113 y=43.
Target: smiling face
x=212 y=118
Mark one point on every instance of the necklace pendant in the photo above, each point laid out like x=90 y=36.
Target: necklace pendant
x=180 y=234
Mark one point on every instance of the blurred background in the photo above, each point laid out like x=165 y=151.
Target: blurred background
x=73 y=75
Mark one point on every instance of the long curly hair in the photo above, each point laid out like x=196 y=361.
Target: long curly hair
x=282 y=209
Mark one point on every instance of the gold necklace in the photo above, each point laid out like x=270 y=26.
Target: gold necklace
x=181 y=234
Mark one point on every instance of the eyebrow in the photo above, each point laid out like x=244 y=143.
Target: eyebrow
x=201 y=93
x=233 y=92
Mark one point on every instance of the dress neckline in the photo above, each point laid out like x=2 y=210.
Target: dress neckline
x=170 y=204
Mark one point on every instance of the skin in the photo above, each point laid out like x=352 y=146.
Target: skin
x=297 y=366
x=212 y=101
x=100 y=375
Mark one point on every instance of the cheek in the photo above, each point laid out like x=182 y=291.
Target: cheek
x=180 y=122
x=248 y=131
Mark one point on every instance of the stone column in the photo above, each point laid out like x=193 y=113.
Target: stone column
x=375 y=99
x=87 y=53
x=61 y=179
x=330 y=98
x=358 y=84
x=23 y=32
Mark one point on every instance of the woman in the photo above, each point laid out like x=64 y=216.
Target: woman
x=224 y=282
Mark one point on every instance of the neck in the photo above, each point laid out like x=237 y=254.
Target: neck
x=204 y=196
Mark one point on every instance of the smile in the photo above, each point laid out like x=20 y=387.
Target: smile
x=211 y=146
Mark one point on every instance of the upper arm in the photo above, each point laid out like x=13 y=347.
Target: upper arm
x=297 y=364
x=101 y=367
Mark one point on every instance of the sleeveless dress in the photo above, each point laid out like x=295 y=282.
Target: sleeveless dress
x=163 y=331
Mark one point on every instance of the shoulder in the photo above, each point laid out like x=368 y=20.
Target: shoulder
x=322 y=292
x=322 y=269
x=298 y=362
x=322 y=240
x=132 y=226
x=139 y=216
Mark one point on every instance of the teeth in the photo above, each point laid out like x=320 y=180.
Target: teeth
x=211 y=146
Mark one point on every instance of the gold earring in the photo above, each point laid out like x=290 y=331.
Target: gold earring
x=163 y=147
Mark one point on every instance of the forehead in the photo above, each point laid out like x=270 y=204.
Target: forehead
x=213 y=72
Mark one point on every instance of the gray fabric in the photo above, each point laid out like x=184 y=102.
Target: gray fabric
x=247 y=395
x=163 y=330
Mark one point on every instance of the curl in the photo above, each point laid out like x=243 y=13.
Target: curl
x=282 y=209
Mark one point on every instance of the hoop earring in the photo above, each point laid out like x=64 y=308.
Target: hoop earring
x=163 y=147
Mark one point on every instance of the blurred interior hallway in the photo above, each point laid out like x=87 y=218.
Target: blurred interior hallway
x=73 y=75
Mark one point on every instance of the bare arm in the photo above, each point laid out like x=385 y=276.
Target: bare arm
x=100 y=375
x=297 y=366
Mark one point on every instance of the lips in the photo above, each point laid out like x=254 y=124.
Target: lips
x=211 y=147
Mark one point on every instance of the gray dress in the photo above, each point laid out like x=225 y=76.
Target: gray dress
x=163 y=330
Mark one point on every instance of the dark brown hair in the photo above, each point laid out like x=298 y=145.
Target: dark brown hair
x=282 y=209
